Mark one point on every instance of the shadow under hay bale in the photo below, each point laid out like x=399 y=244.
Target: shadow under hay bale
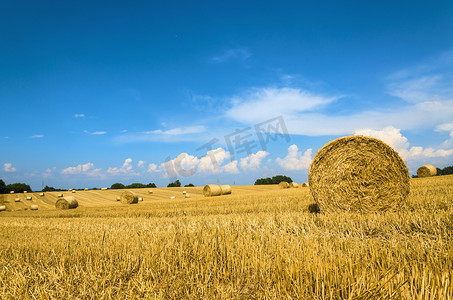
x=314 y=208
x=225 y=189
x=68 y=202
x=210 y=190
x=358 y=173
x=426 y=171
x=284 y=185
x=128 y=197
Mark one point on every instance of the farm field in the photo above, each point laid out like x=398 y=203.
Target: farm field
x=259 y=242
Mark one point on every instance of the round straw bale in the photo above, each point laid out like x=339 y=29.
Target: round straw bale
x=284 y=185
x=41 y=194
x=186 y=196
x=73 y=191
x=60 y=195
x=25 y=192
x=294 y=185
x=11 y=192
x=172 y=197
x=2 y=207
x=212 y=190
x=226 y=189
x=150 y=192
x=426 y=171
x=29 y=198
x=85 y=189
x=140 y=199
x=68 y=202
x=118 y=198
x=128 y=197
x=104 y=189
x=17 y=200
x=34 y=207
x=358 y=173
x=305 y=184
x=184 y=192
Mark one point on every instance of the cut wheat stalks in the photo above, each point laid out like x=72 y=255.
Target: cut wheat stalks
x=128 y=197
x=358 y=173
x=426 y=171
x=68 y=202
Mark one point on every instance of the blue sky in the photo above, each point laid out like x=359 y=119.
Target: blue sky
x=94 y=93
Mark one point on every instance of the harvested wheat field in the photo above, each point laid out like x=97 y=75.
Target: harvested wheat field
x=258 y=242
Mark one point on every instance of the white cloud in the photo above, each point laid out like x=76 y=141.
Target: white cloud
x=295 y=160
x=231 y=167
x=141 y=163
x=37 y=136
x=126 y=169
x=239 y=54
x=189 y=133
x=79 y=116
x=393 y=137
x=85 y=169
x=8 y=167
x=95 y=132
x=153 y=168
x=253 y=161
x=47 y=173
x=178 y=131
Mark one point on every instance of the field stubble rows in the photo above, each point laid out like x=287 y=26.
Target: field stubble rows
x=261 y=243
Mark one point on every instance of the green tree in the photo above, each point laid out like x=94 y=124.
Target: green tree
x=136 y=185
x=3 y=189
x=177 y=183
x=151 y=185
x=274 y=180
x=117 y=186
x=18 y=187
x=189 y=185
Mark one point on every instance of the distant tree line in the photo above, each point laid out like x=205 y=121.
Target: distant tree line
x=274 y=180
x=15 y=187
x=440 y=172
x=136 y=185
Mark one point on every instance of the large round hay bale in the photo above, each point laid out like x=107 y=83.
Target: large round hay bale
x=426 y=171
x=294 y=185
x=210 y=190
x=358 y=173
x=128 y=197
x=34 y=207
x=225 y=189
x=284 y=185
x=68 y=202
x=2 y=207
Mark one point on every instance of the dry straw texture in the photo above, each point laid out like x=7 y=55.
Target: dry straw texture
x=426 y=171
x=358 y=173
x=225 y=189
x=294 y=185
x=68 y=202
x=2 y=207
x=284 y=185
x=210 y=190
x=34 y=207
x=128 y=197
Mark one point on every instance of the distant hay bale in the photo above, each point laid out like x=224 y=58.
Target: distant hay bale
x=226 y=189
x=17 y=200
x=128 y=197
x=305 y=184
x=104 y=189
x=11 y=192
x=150 y=192
x=427 y=171
x=172 y=197
x=140 y=199
x=118 y=198
x=25 y=192
x=60 y=195
x=85 y=189
x=69 y=190
x=284 y=185
x=358 y=173
x=186 y=196
x=210 y=190
x=34 y=207
x=184 y=192
x=294 y=185
x=29 y=198
x=68 y=202
x=2 y=207
x=41 y=194
x=73 y=191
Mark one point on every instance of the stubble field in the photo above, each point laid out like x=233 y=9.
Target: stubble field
x=259 y=242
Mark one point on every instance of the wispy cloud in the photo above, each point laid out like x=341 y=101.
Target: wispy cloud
x=239 y=54
x=177 y=134
x=85 y=169
x=295 y=160
x=37 y=136
x=178 y=131
x=8 y=167
x=253 y=161
x=77 y=116
x=95 y=132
